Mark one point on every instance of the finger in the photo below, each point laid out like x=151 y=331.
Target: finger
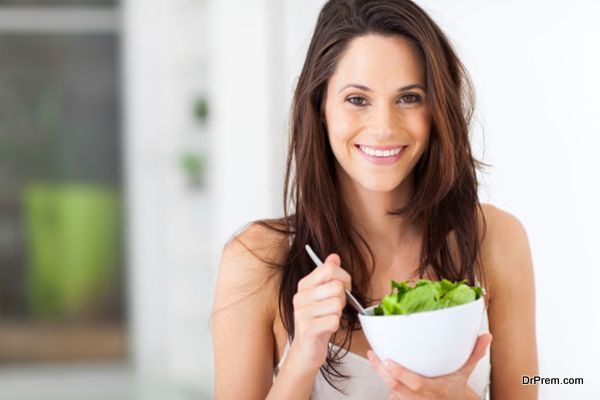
x=411 y=379
x=478 y=352
x=333 y=259
x=398 y=388
x=324 y=291
x=341 y=273
x=325 y=273
x=332 y=305
x=327 y=323
x=333 y=288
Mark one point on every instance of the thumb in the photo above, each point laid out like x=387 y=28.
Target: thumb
x=333 y=259
x=478 y=352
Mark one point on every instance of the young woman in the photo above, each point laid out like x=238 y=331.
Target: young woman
x=382 y=182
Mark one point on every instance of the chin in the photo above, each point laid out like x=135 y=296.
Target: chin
x=380 y=186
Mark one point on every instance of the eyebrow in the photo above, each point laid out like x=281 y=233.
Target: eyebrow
x=367 y=89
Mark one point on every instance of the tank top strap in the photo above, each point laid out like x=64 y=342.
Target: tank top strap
x=284 y=355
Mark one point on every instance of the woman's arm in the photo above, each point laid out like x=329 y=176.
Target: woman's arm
x=244 y=307
x=509 y=271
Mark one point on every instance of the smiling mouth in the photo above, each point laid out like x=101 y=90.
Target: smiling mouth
x=380 y=153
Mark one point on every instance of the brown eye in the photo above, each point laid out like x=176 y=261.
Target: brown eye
x=356 y=103
x=411 y=98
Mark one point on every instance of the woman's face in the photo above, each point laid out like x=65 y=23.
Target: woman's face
x=386 y=111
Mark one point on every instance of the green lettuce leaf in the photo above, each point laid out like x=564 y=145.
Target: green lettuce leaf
x=426 y=295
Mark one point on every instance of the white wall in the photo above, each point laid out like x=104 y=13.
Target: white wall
x=534 y=67
x=256 y=50
x=535 y=73
x=164 y=70
x=242 y=79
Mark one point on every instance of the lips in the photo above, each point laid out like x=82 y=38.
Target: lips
x=379 y=147
x=380 y=152
x=385 y=160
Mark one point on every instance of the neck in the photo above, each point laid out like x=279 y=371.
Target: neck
x=368 y=214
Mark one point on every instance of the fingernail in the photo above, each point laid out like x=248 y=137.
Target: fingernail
x=387 y=363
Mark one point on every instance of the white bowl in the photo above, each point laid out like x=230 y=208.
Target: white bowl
x=430 y=343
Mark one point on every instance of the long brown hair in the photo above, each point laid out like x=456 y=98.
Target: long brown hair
x=445 y=198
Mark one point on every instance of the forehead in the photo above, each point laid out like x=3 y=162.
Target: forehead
x=379 y=60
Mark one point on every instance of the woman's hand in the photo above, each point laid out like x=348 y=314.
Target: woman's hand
x=318 y=307
x=407 y=385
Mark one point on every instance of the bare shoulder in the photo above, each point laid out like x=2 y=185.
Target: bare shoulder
x=243 y=312
x=508 y=268
x=505 y=248
x=249 y=264
x=502 y=224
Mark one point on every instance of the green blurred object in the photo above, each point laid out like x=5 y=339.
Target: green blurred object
x=73 y=247
x=194 y=166
x=201 y=109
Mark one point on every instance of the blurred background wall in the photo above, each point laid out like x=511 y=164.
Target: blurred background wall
x=137 y=136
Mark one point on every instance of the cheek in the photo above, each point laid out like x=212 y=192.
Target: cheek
x=426 y=123
x=340 y=128
x=420 y=127
x=338 y=136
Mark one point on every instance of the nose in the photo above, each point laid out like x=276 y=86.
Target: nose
x=383 y=121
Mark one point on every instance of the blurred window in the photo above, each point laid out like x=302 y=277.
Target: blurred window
x=55 y=3
x=61 y=205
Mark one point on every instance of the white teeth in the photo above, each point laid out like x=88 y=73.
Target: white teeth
x=380 y=153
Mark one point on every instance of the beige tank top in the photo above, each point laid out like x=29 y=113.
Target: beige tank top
x=365 y=383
